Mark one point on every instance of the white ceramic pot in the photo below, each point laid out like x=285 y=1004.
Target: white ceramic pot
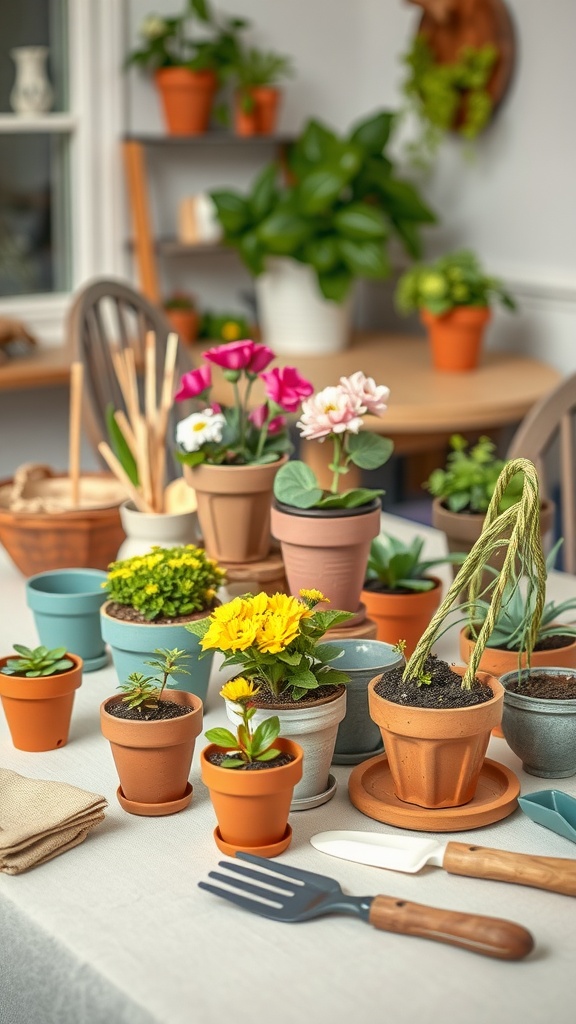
x=294 y=316
x=314 y=727
x=145 y=530
x=32 y=92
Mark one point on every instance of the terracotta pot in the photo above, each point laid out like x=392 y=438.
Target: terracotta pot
x=456 y=337
x=186 y=99
x=87 y=538
x=267 y=100
x=38 y=711
x=153 y=759
x=498 y=661
x=185 y=322
x=245 y=121
x=252 y=807
x=402 y=616
x=327 y=548
x=435 y=756
x=541 y=732
x=234 y=509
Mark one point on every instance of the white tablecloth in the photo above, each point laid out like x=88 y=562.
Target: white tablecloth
x=116 y=931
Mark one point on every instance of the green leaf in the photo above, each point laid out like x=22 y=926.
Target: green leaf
x=349 y=499
x=410 y=236
x=201 y=10
x=290 y=657
x=374 y=133
x=54 y=653
x=199 y=627
x=119 y=445
x=321 y=253
x=232 y=762
x=319 y=189
x=269 y=755
x=369 y=451
x=333 y=677
x=361 y=221
x=221 y=737
x=265 y=734
x=233 y=211
x=296 y=484
x=26 y=651
x=305 y=680
x=264 y=192
x=283 y=232
x=365 y=259
x=327 y=652
x=315 y=145
x=335 y=284
x=404 y=201
x=252 y=252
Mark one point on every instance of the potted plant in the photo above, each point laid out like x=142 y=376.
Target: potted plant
x=231 y=455
x=308 y=239
x=181 y=311
x=539 y=719
x=37 y=693
x=251 y=777
x=399 y=594
x=223 y=326
x=151 y=598
x=462 y=492
x=435 y=753
x=276 y=641
x=257 y=97
x=188 y=68
x=326 y=535
x=152 y=737
x=453 y=296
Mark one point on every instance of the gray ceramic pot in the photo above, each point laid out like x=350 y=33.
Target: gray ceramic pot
x=541 y=732
x=358 y=736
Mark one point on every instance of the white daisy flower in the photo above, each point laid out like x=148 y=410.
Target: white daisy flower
x=200 y=428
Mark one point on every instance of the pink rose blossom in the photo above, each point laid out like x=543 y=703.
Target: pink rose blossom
x=236 y=355
x=370 y=396
x=262 y=356
x=331 y=411
x=194 y=383
x=286 y=387
x=259 y=416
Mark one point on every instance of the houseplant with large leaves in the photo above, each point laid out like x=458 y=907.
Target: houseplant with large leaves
x=327 y=226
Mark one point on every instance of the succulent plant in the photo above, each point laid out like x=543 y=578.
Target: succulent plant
x=37 y=661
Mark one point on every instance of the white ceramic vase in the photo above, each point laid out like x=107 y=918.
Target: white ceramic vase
x=294 y=316
x=314 y=727
x=32 y=92
x=145 y=530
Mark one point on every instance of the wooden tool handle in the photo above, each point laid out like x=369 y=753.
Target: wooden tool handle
x=490 y=936
x=553 y=873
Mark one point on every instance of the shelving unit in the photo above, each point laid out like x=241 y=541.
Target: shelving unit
x=147 y=247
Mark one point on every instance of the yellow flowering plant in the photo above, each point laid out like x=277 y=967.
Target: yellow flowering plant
x=167 y=582
x=276 y=640
x=247 y=745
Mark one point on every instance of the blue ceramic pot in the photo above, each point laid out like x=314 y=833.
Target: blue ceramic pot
x=133 y=643
x=358 y=735
x=66 y=606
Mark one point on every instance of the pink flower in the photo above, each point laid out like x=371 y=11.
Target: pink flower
x=262 y=356
x=194 y=383
x=370 y=396
x=331 y=411
x=259 y=416
x=236 y=355
x=286 y=387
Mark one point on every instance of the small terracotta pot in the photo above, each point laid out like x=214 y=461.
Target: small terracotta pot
x=267 y=100
x=234 y=509
x=245 y=121
x=38 y=711
x=436 y=755
x=185 y=322
x=327 y=548
x=456 y=337
x=186 y=99
x=497 y=661
x=153 y=759
x=402 y=616
x=252 y=807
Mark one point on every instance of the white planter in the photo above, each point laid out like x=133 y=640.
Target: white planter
x=315 y=728
x=32 y=92
x=294 y=316
x=145 y=530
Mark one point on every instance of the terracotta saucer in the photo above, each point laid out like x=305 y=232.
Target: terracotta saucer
x=261 y=851
x=372 y=792
x=155 y=810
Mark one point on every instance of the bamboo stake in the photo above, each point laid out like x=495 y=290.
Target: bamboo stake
x=150 y=380
x=121 y=475
x=132 y=388
x=162 y=419
x=75 y=428
x=126 y=431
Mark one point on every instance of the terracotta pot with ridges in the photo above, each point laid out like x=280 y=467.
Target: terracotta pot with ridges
x=252 y=807
x=328 y=550
x=38 y=710
x=153 y=759
x=234 y=509
x=402 y=616
x=456 y=337
x=436 y=755
x=186 y=99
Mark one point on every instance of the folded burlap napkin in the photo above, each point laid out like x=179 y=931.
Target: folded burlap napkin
x=40 y=819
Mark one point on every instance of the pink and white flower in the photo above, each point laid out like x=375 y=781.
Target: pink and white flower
x=331 y=411
x=370 y=396
x=199 y=429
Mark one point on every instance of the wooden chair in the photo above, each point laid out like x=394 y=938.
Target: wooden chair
x=553 y=420
x=108 y=315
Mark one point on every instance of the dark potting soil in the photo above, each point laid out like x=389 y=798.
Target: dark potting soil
x=166 y=709
x=545 y=686
x=129 y=614
x=375 y=587
x=265 y=698
x=252 y=766
x=552 y=643
x=445 y=690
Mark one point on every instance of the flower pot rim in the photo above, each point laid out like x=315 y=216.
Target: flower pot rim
x=32 y=583
x=179 y=70
x=546 y=505
x=129 y=507
x=538 y=703
x=66 y=676
x=465 y=634
x=293 y=748
x=473 y=312
x=134 y=722
x=497 y=691
x=128 y=622
x=227 y=466
x=394 y=594
x=296 y=705
x=327 y=513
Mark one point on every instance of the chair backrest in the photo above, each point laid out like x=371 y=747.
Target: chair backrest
x=553 y=419
x=108 y=315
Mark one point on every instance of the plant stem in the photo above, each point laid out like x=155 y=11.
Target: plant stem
x=336 y=463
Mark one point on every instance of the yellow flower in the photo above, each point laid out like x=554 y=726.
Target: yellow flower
x=276 y=632
x=151 y=588
x=230 y=331
x=313 y=595
x=239 y=690
x=235 y=635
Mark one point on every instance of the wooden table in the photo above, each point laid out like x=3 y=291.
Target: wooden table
x=40 y=368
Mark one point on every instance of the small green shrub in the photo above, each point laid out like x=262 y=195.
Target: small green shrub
x=456 y=279
x=469 y=479
x=166 y=582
